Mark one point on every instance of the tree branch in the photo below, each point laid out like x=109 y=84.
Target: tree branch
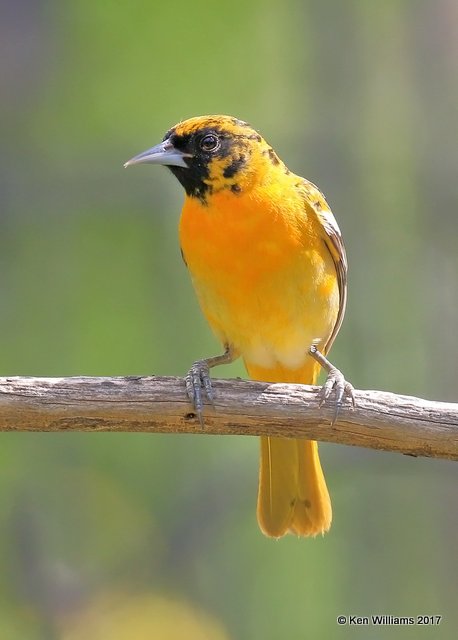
x=155 y=404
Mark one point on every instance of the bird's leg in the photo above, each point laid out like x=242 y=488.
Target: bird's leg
x=198 y=378
x=335 y=381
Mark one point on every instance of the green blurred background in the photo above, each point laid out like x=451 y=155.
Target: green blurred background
x=150 y=536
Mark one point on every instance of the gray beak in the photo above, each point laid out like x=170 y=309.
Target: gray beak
x=163 y=153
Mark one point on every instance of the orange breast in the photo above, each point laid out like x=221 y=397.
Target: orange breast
x=263 y=276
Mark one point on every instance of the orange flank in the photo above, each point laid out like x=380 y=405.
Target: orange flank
x=268 y=265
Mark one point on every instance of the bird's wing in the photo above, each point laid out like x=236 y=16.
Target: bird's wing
x=333 y=240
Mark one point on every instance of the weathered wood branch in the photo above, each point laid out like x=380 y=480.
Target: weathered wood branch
x=154 y=404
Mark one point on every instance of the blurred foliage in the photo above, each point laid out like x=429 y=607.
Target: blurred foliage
x=136 y=536
x=121 y=616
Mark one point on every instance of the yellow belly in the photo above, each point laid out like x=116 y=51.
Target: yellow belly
x=264 y=280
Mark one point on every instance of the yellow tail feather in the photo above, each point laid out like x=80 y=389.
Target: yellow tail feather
x=293 y=497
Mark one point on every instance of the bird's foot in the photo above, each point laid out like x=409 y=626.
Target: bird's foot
x=335 y=383
x=197 y=381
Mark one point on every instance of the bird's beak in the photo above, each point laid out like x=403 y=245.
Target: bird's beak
x=163 y=153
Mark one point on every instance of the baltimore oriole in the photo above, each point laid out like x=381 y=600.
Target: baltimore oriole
x=268 y=264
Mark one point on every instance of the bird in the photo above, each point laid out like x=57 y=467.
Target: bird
x=268 y=264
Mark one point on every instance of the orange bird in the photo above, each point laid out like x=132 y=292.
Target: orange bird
x=268 y=264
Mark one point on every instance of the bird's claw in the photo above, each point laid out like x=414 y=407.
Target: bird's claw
x=198 y=379
x=335 y=382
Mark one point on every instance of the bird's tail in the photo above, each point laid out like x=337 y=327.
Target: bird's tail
x=293 y=497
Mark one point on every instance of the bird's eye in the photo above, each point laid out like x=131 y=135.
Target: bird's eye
x=209 y=142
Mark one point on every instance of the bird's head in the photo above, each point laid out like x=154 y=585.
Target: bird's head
x=209 y=154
